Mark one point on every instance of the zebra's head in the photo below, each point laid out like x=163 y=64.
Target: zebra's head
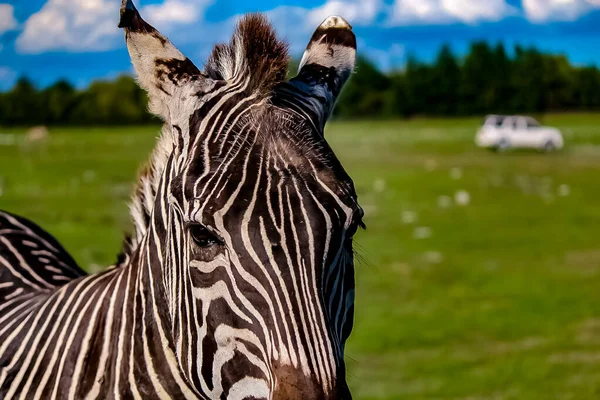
x=248 y=213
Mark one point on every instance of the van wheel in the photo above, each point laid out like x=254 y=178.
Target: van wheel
x=549 y=146
x=503 y=145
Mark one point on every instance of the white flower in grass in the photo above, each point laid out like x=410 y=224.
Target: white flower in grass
x=89 y=175
x=544 y=187
x=524 y=183
x=564 y=190
x=433 y=257
x=422 y=232
x=409 y=217
x=379 y=185
x=444 y=202
x=430 y=165
x=462 y=198
x=456 y=173
x=402 y=269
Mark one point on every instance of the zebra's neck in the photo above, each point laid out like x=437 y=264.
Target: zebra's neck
x=163 y=288
x=156 y=352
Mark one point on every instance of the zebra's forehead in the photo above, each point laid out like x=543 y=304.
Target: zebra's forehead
x=272 y=139
x=268 y=152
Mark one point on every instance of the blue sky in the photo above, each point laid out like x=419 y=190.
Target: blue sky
x=78 y=39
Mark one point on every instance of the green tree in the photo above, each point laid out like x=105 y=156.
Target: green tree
x=22 y=104
x=445 y=83
x=486 y=80
x=417 y=85
x=56 y=103
x=366 y=92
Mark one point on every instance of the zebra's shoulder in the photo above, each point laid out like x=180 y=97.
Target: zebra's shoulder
x=31 y=259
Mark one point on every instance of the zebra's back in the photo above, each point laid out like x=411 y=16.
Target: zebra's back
x=53 y=344
x=31 y=260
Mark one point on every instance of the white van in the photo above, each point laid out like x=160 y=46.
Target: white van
x=504 y=132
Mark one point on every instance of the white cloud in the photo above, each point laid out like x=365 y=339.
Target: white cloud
x=91 y=25
x=472 y=11
x=7 y=18
x=174 y=12
x=76 y=25
x=557 y=10
x=356 y=12
x=407 y=12
x=295 y=24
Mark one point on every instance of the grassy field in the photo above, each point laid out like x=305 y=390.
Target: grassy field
x=481 y=271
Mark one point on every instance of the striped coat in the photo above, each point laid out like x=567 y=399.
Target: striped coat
x=238 y=281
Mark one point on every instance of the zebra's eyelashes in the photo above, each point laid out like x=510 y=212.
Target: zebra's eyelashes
x=205 y=246
x=203 y=237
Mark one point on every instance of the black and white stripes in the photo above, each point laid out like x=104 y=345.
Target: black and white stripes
x=238 y=281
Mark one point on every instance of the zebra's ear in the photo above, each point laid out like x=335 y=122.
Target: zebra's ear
x=161 y=68
x=327 y=64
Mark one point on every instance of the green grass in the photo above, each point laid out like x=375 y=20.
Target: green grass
x=501 y=301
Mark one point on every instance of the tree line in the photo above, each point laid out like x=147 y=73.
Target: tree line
x=486 y=80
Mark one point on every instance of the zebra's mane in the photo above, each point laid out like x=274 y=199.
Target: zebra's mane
x=144 y=195
x=255 y=53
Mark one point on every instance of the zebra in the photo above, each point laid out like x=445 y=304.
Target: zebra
x=238 y=279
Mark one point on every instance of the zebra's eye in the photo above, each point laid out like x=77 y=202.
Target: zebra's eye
x=202 y=236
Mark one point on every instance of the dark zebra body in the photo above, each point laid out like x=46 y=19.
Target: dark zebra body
x=239 y=281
